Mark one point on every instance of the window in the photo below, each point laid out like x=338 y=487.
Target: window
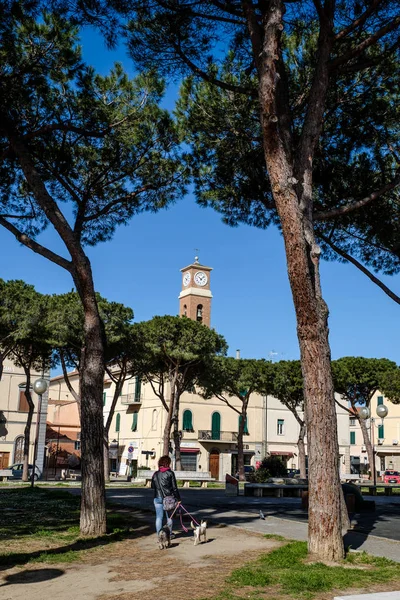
x=184 y=310
x=77 y=444
x=352 y=437
x=216 y=426
x=352 y=421
x=280 y=427
x=19 y=449
x=381 y=431
x=134 y=421
x=189 y=461
x=154 y=419
x=23 y=405
x=245 y=430
x=138 y=389
x=199 y=313
x=380 y=400
x=187 y=424
x=104 y=398
x=118 y=422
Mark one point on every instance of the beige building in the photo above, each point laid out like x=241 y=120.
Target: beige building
x=384 y=434
x=209 y=427
x=13 y=415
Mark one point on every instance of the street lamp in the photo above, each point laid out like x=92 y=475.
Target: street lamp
x=365 y=413
x=39 y=387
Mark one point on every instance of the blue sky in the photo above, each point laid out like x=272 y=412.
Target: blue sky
x=252 y=304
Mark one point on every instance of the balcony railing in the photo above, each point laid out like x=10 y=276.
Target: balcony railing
x=131 y=398
x=217 y=436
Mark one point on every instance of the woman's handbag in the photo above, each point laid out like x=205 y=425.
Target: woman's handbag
x=169 y=503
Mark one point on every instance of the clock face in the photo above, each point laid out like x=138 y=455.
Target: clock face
x=186 y=279
x=200 y=278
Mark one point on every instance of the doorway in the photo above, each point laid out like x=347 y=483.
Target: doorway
x=214 y=463
x=4 y=460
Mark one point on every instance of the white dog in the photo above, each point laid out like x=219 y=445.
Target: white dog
x=199 y=531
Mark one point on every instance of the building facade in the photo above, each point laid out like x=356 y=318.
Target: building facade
x=13 y=414
x=209 y=428
x=385 y=435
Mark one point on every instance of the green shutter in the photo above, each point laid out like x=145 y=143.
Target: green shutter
x=381 y=431
x=138 y=389
x=134 y=421
x=187 y=421
x=245 y=430
x=117 y=422
x=104 y=398
x=352 y=437
x=216 y=426
x=380 y=400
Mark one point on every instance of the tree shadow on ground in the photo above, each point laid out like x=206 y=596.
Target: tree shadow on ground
x=13 y=559
x=31 y=576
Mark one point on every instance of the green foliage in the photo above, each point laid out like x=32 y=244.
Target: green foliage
x=285 y=567
x=271 y=466
x=100 y=143
x=287 y=384
x=166 y=345
x=357 y=378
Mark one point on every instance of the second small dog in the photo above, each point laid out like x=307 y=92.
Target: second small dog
x=164 y=538
x=199 y=531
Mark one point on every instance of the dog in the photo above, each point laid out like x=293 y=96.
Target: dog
x=199 y=531
x=164 y=538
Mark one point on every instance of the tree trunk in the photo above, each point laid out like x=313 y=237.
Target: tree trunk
x=302 y=451
x=91 y=379
x=169 y=421
x=27 y=430
x=118 y=388
x=177 y=437
x=242 y=423
x=368 y=447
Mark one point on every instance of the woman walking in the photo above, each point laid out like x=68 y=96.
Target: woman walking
x=165 y=492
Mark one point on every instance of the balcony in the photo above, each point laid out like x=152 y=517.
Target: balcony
x=217 y=436
x=131 y=398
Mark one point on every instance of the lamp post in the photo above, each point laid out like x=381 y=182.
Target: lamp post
x=39 y=387
x=365 y=413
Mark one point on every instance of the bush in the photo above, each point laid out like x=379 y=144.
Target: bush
x=271 y=466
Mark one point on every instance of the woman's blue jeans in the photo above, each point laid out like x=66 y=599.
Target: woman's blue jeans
x=158 y=505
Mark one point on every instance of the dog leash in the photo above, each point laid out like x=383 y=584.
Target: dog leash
x=180 y=506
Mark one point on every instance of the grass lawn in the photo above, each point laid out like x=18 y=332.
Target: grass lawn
x=39 y=525
x=285 y=573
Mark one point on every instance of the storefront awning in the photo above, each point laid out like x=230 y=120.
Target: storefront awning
x=190 y=450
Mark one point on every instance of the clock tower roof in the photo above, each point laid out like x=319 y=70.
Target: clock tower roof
x=196 y=265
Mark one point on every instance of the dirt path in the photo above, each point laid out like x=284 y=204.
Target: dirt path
x=136 y=569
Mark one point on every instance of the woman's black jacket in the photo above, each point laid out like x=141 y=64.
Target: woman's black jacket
x=164 y=484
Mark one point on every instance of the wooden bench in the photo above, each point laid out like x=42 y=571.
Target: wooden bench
x=279 y=490
x=5 y=474
x=185 y=476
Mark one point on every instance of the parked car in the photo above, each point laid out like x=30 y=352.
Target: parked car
x=18 y=468
x=248 y=470
x=391 y=477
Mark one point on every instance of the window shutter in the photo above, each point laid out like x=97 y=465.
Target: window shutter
x=380 y=400
x=245 y=430
x=216 y=426
x=381 y=431
x=187 y=421
x=138 y=389
x=134 y=421
x=117 y=422
x=352 y=437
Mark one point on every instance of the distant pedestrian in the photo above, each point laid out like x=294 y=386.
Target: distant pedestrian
x=166 y=493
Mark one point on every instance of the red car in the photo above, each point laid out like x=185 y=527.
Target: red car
x=391 y=477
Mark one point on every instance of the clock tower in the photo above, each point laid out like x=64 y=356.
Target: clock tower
x=195 y=297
